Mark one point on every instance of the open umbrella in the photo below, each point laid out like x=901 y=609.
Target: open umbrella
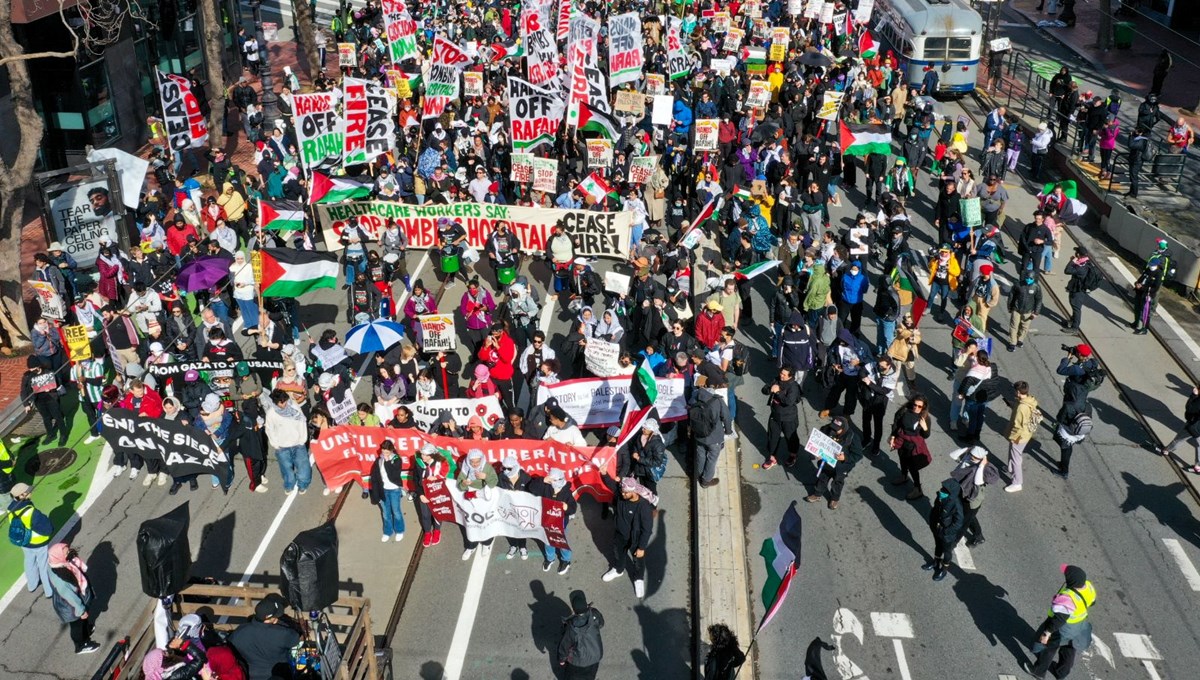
x=815 y=58
x=203 y=273
x=374 y=336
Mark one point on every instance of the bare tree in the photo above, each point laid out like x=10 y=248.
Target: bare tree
x=95 y=25
x=1104 y=32
x=306 y=27
x=215 y=67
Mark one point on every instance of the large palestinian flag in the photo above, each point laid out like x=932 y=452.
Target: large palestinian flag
x=639 y=402
x=280 y=215
x=861 y=140
x=781 y=553
x=287 y=272
x=326 y=189
x=594 y=120
x=867 y=45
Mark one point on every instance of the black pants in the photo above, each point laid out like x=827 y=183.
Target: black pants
x=1046 y=660
x=425 y=517
x=254 y=470
x=872 y=425
x=834 y=478
x=81 y=631
x=582 y=672
x=507 y=398
x=782 y=439
x=909 y=466
x=1135 y=170
x=1065 y=449
x=1035 y=165
x=971 y=528
x=623 y=558
x=1076 y=299
x=943 y=551
x=847 y=384
x=52 y=418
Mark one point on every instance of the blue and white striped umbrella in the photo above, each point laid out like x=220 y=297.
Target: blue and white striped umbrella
x=375 y=336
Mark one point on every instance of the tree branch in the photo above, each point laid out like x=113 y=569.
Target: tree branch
x=37 y=55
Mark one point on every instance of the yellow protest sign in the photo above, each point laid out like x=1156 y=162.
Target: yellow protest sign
x=256 y=265
x=78 y=344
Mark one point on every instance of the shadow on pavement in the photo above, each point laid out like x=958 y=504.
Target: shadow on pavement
x=431 y=670
x=102 y=572
x=993 y=614
x=890 y=521
x=663 y=656
x=547 y=612
x=1165 y=503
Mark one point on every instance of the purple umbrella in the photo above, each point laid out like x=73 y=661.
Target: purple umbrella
x=202 y=273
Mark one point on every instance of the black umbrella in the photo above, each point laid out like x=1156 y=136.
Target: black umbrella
x=814 y=58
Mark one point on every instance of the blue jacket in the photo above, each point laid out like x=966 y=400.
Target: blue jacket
x=854 y=287
x=683 y=117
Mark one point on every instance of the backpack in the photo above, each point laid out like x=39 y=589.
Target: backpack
x=1092 y=278
x=1093 y=378
x=18 y=534
x=1081 y=426
x=584 y=647
x=701 y=419
x=741 y=358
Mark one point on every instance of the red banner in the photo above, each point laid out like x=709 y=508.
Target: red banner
x=345 y=454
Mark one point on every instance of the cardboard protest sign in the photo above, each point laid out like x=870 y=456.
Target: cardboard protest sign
x=707 y=134
x=318 y=130
x=541 y=49
x=437 y=332
x=545 y=174
x=631 y=102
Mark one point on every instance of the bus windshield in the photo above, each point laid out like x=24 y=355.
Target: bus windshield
x=943 y=49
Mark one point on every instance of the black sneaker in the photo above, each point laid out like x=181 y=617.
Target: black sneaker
x=563 y=568
x=87 y=648
x=193 y=485
x=174 y=488
x=547 y=565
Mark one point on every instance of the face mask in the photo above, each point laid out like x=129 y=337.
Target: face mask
x=1028 y=281
x=943 y=495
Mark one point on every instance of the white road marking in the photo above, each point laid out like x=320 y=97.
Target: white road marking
x=1100 y=648
x=547 y=314
x=1162 y=313
x=416 y=274
x=900 y=660
x=845 y=622
x=1134 y=646
x=962 y=555
x=845 y=667
x=1185 y=564
x=1006 y=676
x=893 y=625
x=266 y=541
x=466 y=619
x=1151 y=670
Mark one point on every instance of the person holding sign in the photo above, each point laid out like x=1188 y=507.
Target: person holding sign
x=39 y=389
x=833 y=477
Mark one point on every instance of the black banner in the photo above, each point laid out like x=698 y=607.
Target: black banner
x=216 y=369
x=185 y=450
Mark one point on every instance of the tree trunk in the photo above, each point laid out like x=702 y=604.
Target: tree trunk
x=307 y=29
x=215 y=70
x=15 y=174
x=1104 y=33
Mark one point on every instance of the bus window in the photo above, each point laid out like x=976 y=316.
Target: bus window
x=935 y=49
x=960 y=48
x=907 y=49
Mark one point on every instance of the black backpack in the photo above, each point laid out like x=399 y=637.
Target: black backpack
x=700 y=417
x=1092 y=278
x=741 y=358
x=1093 y=377
x=584 y=647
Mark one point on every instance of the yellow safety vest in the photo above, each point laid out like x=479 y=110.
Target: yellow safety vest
x=7 y=463
x=25 y=516
x=1083 y=598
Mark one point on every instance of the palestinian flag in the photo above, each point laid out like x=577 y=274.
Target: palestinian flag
x=706 y=213
x=867 y=45
x=755 y=269
x=496 y=52
x=280 y=215
x=413 y=78
x=899 y=280
x=756 y=60
x=860 y=140
x=781 y=553
x=287 y=272
x=594 y=120
x=595 y=186
x=326 y=189
x=639 y=402
x=740 y=193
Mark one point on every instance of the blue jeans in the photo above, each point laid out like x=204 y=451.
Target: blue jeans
x=354 y=268
x=1047 y=259
x=942 y=289
x=975 y=413
x=778 y=340
x=885 y=333
x=553 y=553
x=393 y=518
x=223 y=477
x=732 y=405
x=37 y=568
x=218 y=306
x=249 y=310
x=295 y=468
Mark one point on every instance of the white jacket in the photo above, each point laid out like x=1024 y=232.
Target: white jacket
x=283 y=431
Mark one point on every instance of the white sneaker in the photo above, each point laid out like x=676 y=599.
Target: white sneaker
x=133 y=473
x=325 y=492
x=524 y=553
x=398 y=537
x=611 y=575
x=147 y=480
x=262 y=480
x=512 y=552
x=216 y=484
x=1013 y=488
x=293 y=491
x=261 y=488
x=486 y=551
x=467 y=554
x=116 y=471
x=90 y=438
x=639 y=589
x=385 y=538
x=162 y=479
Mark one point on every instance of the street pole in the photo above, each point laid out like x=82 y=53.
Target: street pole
x=270 y=102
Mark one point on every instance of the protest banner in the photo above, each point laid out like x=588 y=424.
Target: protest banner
x=346 y=55
x=79 y=345
x=624 y=48
x=707 y=130
x=535 y=113
x=600 y=356
x=597 y=402
x=778 y=51
x=426 y=413
x=185 y=125
x=318 y=130
x=752 y=8
x=812 y=8
x=541 y=49
x=354 y=117
x=266 y=370
x=81 y=213
x=437 y=332
x=780 y=38
x=522 y=167
x=401 y=30
x=584 y=31
x=970 y=211
x=616 y=282
x=488 y=513
x=270 y=31
x=597 y=233
x=441 y=86
x=733 y=40
x=663 y=111
x=641 y=168
x=822 y=446
x=655 y=84
x=345 y=454
x=631 y=102
x=826 y=16
x=722 y=66
x=677 y=59
x=545 y=174
x=862 y=13
x=721 y=22
x=473 y=83
x=599 y=153
x=565 y=10
x=49 y=300
x=760 y=94
x=796 y=7
x=858 y=240
x=185 y=450
x=830 y=106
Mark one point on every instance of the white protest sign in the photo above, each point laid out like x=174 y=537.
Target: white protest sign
x=664 y=104
x=822 y=446
x=616 y=282
x=600 y=356
x=437 y=332
x=598 y=402
x=545 y=174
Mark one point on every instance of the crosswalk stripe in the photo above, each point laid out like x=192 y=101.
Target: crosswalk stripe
x=1185 y=564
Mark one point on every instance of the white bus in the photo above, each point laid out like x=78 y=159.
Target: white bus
x=944 y=35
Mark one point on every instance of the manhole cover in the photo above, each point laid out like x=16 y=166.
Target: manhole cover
x=50 y=461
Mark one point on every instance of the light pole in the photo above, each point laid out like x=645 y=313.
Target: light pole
x=270 y=102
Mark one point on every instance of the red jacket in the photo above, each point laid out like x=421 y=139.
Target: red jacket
x=499 y=360
x=708 y=329
x=151 y=405
x=177 y=238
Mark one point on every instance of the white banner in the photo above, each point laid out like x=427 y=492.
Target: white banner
x=624 y=48
x=185 y=124
x=425 y=413
x=494 y=512
x=370 y=129
x=597 y=402
x=535 y=113
x=441 y=86
x=600 y=356
x=401 y=31
x=318 y=130
x=677 y=60
x=541 y=51
x=862 y=13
